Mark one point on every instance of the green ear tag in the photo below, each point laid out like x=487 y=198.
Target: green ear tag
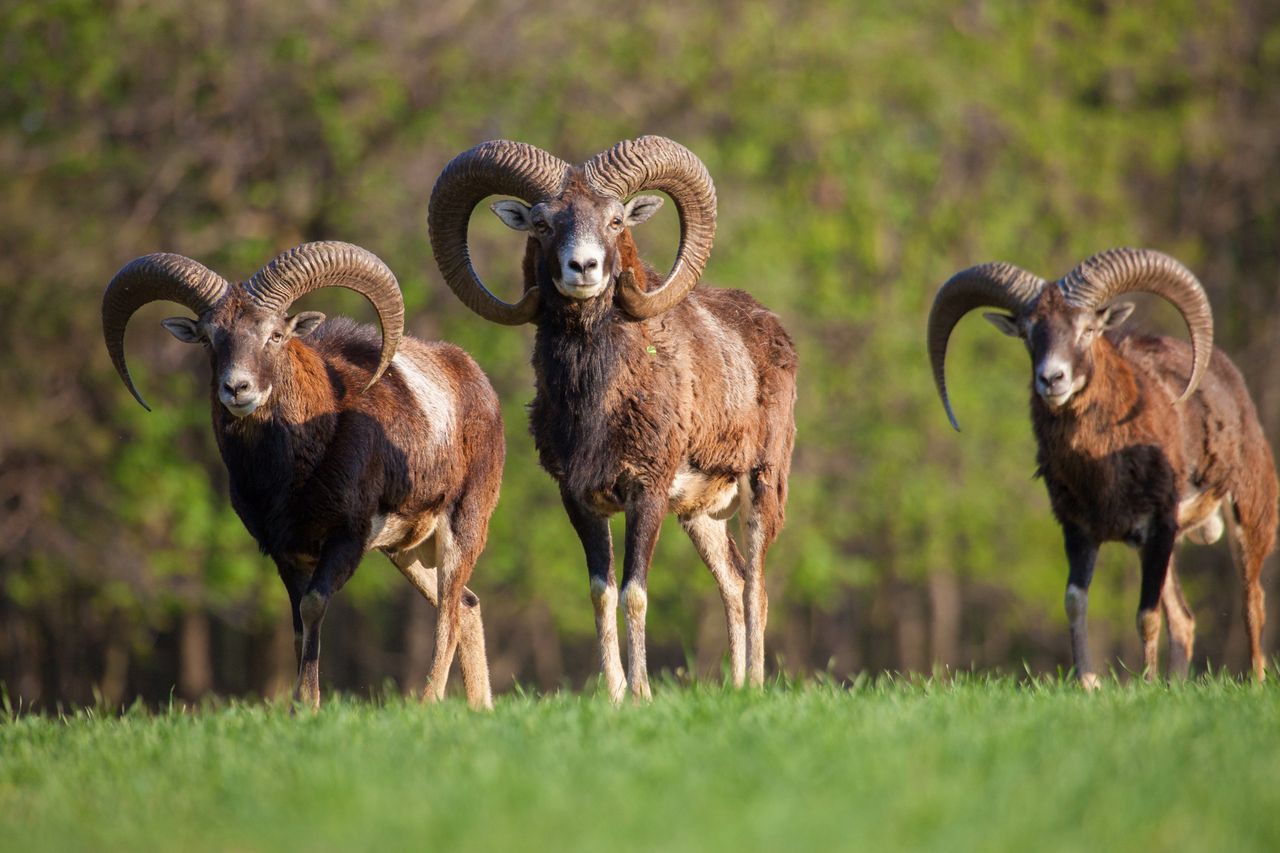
x=651 y=349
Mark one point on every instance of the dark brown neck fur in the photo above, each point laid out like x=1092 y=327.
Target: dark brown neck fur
x=280 y=442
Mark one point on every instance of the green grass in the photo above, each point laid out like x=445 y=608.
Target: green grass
x=977 y=764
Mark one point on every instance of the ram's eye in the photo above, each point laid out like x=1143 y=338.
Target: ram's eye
x=541 y=227
x=277 y=337
x=617 y=222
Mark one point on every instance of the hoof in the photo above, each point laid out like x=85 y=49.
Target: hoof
x=1090 y=682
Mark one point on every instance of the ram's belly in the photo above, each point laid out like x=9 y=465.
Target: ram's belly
x=1200 y=518
x=694 y=493
x=395 y=532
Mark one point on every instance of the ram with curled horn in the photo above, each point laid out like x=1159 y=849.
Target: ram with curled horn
x=653 y=395
x=338 y=440
x=1141 y=439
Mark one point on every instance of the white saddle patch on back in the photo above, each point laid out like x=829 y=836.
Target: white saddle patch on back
x=739 y=371
x=433 y=398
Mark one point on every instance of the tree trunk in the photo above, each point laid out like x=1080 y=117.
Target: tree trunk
x=278 y=677
x=419 y=634
x=195 y=653
x=911 y=629
x=944 y=623
x=544 y=640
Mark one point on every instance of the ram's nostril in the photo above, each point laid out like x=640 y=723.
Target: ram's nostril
x=1051 y=378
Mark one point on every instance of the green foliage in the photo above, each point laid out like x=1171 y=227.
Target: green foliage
x=964 y=764
x=862 y=153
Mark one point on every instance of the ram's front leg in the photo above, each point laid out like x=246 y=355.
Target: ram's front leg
x=1157 y=551
x=644 y=520
x=338 y=560
x=597 y=544
x=1181 y=623
x=1082 y=554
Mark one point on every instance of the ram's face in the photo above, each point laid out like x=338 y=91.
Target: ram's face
x=1060 y=338
x=247 y=348
x=578 y=233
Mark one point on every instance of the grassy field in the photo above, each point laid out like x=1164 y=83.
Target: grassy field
x=968 y=765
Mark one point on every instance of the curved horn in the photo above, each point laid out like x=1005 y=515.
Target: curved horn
x=152 y=278
x=312 y=266
x=658 y=163
x=1106 y=275
x=498 y=167
x=996 y=285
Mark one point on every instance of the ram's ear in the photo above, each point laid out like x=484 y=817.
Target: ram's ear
x=1004 y=322
x=640 y=208
x=1114 y=315
x=304 y=323
x=515 y=214
x=184 y=329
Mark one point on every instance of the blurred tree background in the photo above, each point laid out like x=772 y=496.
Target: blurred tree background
x=862 y=153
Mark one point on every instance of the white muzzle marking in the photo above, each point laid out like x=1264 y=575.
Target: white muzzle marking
x=1054 y=382
x=581 y=273
x=244 y=403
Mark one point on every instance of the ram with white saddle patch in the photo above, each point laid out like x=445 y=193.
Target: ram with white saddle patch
x=339 y=440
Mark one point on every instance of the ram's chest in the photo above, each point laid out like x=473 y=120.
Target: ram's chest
x=269 y=469
x=607 y=453
x=1114 y=495
x=605 y=430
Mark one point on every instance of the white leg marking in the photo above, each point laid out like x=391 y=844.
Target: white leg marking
x=711 y=539
x=1076 y=603
x=604 y=597
x=635 y=602
x=755 y=596
x=1149 y=631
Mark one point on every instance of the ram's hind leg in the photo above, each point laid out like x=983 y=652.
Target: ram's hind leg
x=1157 y=553
x=1251 y=534
x=1180 y=622
x=472 y=654
x=458 y=549
x=761 y=507
x=716 y=548
x=419 y=566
